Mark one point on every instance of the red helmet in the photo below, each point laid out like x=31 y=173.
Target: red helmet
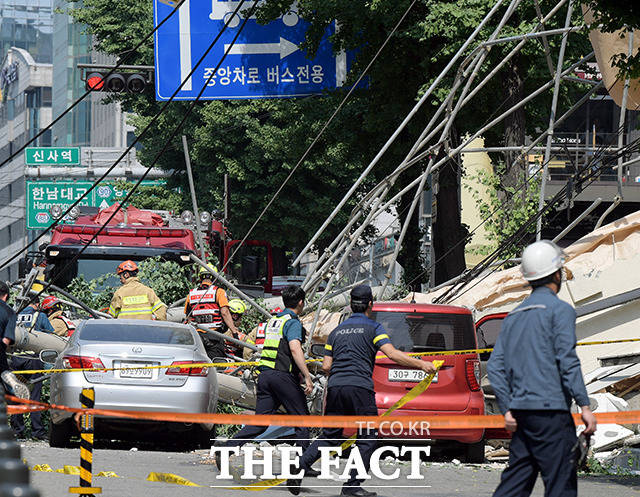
x=127 y=266
x=276 y=310
x=49 y=302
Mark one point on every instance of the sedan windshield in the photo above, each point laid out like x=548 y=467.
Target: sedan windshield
x=139 y=333
x=415 y=331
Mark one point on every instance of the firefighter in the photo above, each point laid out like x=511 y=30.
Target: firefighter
x=208 y=304
x=281 y=364
x=258 y=333
x=237 y=308
x=535 y=373
x=133 y=300
x=62 y=325
x=33 y=318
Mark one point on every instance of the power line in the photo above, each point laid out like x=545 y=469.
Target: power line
x=168 y=140
x=137 y=138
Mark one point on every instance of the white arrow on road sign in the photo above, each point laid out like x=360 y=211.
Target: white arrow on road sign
x=284 y=48
x=104 y=204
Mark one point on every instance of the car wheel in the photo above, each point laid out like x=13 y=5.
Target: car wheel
x=203 y=439
x=474 y=453
x=60 y=435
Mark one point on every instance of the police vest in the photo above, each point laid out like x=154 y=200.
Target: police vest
x=204 y=306
x=276 y=353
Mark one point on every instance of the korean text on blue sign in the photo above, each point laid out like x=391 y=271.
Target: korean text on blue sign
x=264 y=62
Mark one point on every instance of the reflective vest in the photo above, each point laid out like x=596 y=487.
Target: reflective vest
x=133 y=300
x=275 y=351
x=202 y=307
x=261 y=333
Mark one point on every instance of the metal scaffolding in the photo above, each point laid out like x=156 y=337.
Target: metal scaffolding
x=471 y=74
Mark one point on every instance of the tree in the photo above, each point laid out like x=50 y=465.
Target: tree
x=257 y=143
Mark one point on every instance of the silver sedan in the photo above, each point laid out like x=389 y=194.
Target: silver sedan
x=130 y=344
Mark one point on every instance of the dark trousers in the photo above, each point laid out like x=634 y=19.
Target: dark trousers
x=346 y=401
x=4 y=365
x=214 y=347
x=275 y=389
x=541 y=444
x=17 y=420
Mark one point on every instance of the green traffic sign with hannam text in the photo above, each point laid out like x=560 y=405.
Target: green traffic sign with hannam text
x=52 y=156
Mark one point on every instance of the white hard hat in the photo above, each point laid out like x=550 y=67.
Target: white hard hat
x=541 y=259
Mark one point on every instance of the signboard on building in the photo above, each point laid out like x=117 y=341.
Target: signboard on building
x=52 y=156
x=42 y=195
x=264 y=62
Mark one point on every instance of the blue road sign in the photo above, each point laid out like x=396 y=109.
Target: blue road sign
x=264 y=62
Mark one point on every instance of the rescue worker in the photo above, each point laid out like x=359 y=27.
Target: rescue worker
x=281 y=364
x=34 y=318
x=8 y=320
x=535 y=373
x=349 y=360
x=133 y=300
x=208 y=304
x=237 y=308
x=62 y=325
x=258 y=333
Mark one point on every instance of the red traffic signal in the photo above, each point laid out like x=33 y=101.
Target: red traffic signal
x=95 y=81
x=116 y=82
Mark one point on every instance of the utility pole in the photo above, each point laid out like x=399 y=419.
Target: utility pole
x=196 y=214
x=227 y=205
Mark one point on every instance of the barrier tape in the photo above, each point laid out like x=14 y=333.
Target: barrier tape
x=436 y=421
x=255 y=363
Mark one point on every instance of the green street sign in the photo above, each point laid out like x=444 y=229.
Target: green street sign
x=52 y=156
x=42 y=195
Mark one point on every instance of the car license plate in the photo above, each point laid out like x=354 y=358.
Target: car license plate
x=414 y=375
x=135 y=373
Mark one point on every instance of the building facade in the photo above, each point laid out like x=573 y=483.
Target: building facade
x=25 y=109
x=27 y=24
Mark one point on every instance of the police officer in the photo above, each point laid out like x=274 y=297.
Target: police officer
x=257 y=335
x=8 y=320
x=535 y=373
x=281 y=364
x=349 y=360
x=33 y=319
x=208 y=304
x=133 y=300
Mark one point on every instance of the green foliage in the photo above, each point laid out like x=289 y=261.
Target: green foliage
x=154 y=197
x=227 y=431
x=507 y=210
x=95 y=293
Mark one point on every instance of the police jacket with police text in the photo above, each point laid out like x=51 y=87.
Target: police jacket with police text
x=133 y=300
x=534 y=365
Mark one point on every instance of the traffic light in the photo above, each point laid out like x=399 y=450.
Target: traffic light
x=116 y=82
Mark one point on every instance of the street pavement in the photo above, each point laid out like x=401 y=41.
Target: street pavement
x=133 y=467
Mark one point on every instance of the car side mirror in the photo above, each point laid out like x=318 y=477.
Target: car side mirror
x=317 y=349
x=48 y=356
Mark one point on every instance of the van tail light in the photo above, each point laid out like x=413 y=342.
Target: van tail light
x=178 y=371
x=82 y=362
x=472 y=369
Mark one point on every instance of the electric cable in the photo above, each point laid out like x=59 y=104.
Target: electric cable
x=111 y=71
x=167 y=141
x=132 y=145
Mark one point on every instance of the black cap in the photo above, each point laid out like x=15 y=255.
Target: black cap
x=4 y=288
x=362 y=293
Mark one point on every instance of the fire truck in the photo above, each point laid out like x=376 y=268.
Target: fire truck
x=137 y=234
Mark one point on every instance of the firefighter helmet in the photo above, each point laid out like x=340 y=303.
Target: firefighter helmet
x=237 y=306
x=49 y=302
x=204 y=273
x=127 y=266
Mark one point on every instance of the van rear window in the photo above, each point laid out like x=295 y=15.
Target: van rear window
x=422 y=332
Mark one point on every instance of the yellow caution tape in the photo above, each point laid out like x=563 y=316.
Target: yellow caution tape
x=42 y=467
x=171 y=478
x=69 y=470
x=255 y=363
x=108 y=474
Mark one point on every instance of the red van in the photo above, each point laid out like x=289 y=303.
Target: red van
x=456 y=389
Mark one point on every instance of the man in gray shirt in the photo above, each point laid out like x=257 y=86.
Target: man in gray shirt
x=535 y=373
x=7 y=337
